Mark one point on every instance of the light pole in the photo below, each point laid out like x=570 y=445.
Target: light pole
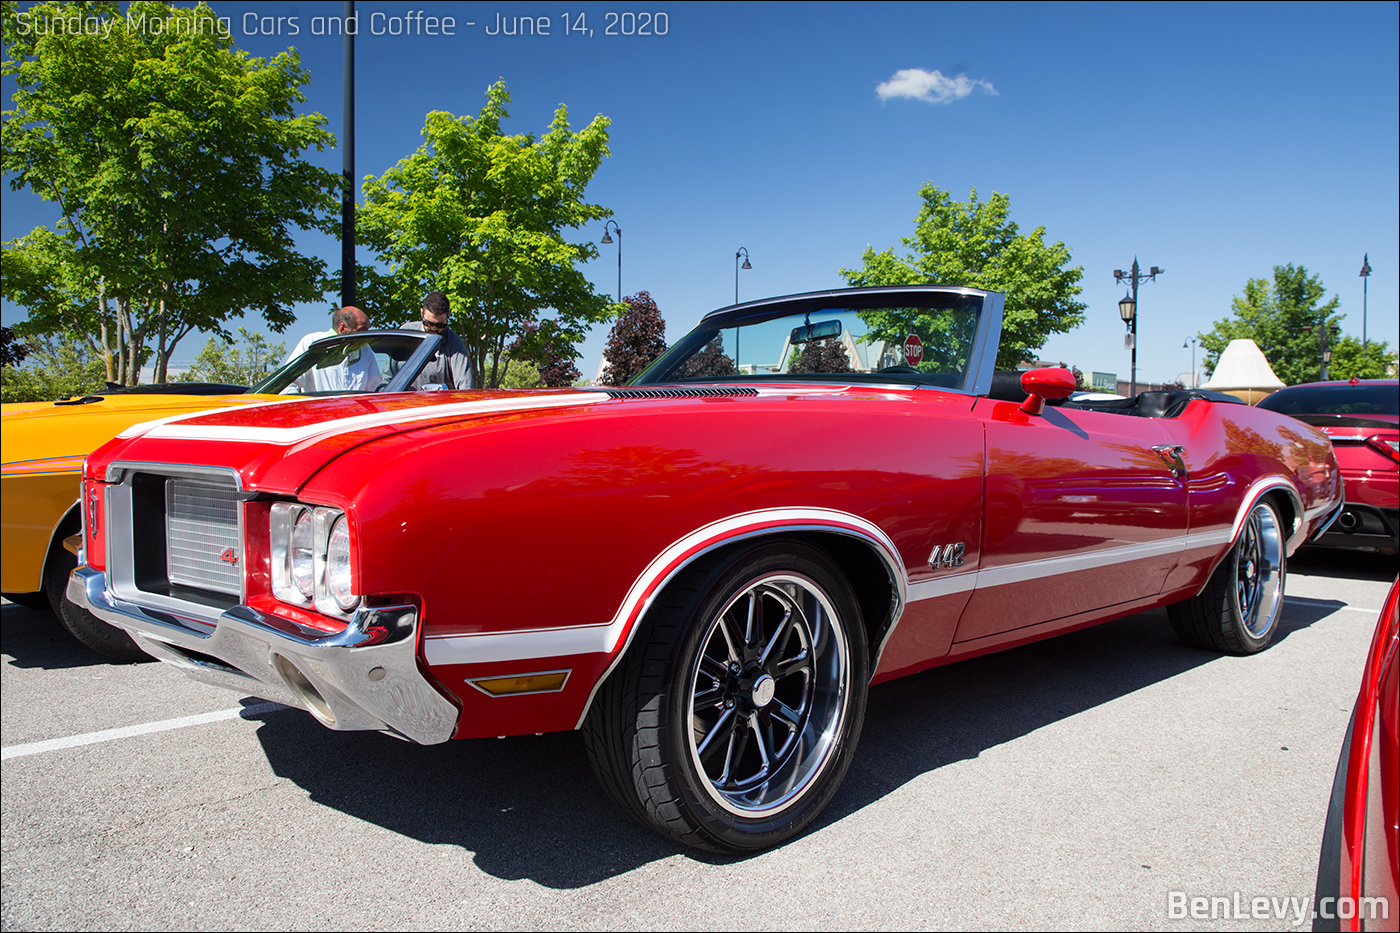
x=1192 y=342
x=1365 y=281
x=608 y=239
x=1127 y=308
x=347 y=170
x=745 y=253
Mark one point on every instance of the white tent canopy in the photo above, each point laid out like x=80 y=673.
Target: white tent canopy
x=1243 y=371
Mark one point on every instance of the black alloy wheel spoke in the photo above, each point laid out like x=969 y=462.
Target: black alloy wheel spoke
x=720 y=736
x=800 y=662
x=779 y=638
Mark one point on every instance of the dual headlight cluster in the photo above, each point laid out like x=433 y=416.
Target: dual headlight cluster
x=311 y=558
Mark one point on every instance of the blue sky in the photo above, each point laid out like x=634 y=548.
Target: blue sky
x=1213 y=140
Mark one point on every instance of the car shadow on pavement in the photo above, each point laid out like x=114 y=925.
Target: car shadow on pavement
x=34 y=639
x=921 y=723
x=529 y=807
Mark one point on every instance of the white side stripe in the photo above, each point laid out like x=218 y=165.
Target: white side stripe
x=942 y=586
x=1087 y=560
x=602 y=639
x=108 y=735
x=596 y=639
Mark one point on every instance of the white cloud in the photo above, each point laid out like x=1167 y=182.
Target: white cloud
x=931 y=86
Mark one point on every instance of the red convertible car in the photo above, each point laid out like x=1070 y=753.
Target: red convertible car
x=705 y=570
x=1358 y=873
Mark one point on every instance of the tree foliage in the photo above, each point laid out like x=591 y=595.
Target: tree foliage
x=482 y=216
x=548 y=349
x=976 y=244
x=638 y=337
x=827 y=355
x=56 y=368
x=244 y=365
x=1282 y=316
x=175 y=162
x=45 y=272
x=711 y=362
x=12 y=350
x=1351 y=360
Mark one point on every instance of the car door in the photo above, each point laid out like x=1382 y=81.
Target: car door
x=1082 y=511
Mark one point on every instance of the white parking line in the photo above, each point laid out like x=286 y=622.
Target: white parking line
x=108 y=735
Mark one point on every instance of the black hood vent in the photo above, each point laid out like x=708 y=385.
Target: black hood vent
x=681 y=391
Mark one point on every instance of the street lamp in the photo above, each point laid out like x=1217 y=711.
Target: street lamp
x=745 y=253
x=1128 y=309
x=607 y=239
x=1365 y=281
x=1192 y=342
x=1324 y=330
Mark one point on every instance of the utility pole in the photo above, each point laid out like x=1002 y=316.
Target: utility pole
x=347 y=148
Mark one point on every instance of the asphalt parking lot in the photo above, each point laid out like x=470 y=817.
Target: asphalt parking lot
x=1091 y=781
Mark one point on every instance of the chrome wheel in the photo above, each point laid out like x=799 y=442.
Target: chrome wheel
x=1259 y=572
x=732 y=720
x=1238 y=609
x=769 y=690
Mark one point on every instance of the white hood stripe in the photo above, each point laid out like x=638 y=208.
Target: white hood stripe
x=285 y=437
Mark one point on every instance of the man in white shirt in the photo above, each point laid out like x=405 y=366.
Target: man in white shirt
x=357 y=373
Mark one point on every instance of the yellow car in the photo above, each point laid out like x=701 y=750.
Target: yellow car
x=42 y=446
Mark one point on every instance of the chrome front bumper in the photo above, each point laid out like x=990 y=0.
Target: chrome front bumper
x=364 y=677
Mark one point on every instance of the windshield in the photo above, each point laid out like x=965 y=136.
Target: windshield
x=925 y=338
x=1335 y=400
x=348 y=364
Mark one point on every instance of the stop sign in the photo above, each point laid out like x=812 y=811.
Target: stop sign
x=913 y=349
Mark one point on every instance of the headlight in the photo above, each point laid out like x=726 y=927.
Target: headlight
x=285 y=521
x=303 y=561
x=338 y=566
x=310 y=550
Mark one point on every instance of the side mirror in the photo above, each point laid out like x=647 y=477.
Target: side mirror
x=1041 y=384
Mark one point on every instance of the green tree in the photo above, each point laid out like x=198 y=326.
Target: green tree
x=482 y=216
x=221 y=361
x=56 y=368
x=44 y=272
x=1374 y=361
x=1282 y=317
x=976 y=244
x=521 y=374
x=175 y=162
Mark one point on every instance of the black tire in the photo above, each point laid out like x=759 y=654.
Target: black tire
x=735 y=748
x=1239 y=609
x=1329 y=860
x=39 y=600
x=83 y=625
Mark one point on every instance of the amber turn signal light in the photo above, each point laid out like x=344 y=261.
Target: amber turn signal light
x=515 y=684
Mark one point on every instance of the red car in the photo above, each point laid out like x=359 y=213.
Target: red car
x=1362 y=418
x=1358 y=875
x=705 y=570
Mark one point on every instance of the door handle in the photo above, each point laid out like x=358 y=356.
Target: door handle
x=1171 y=455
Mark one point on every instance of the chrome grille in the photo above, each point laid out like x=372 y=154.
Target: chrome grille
x=203 y=548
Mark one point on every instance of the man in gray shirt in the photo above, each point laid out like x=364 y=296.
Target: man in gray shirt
x=450 y=365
